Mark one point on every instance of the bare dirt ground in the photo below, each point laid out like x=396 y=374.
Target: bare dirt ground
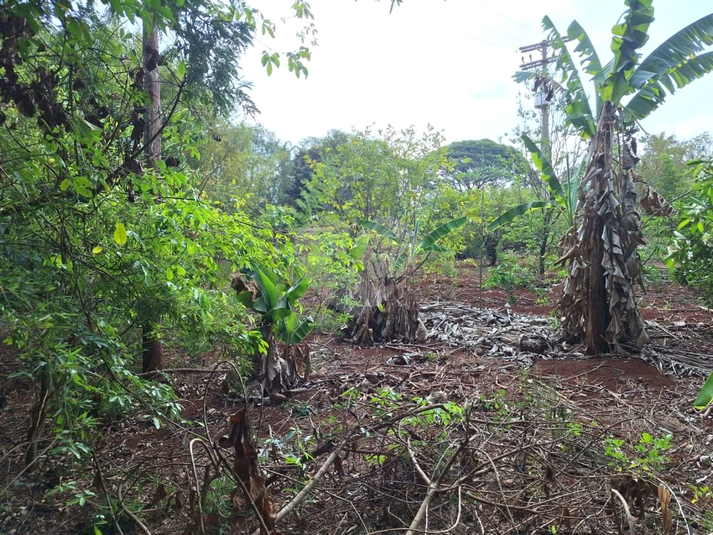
x=492 y=425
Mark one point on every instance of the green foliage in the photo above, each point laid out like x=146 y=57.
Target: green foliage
x=690 y=256
x=647 y=454
x=93 y=246
x=476 y=164
x=677 y=62
x=389 y=178
x=705 y=396
x=509 y=275
x=405 y=258
x=242 y=168
x=663 y=162
x=563 y=197
x=275 y=301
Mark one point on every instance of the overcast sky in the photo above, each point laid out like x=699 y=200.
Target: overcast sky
x=447 y=63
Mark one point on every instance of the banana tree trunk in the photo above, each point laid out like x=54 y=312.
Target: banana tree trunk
x=599 y=303
x=275 y=374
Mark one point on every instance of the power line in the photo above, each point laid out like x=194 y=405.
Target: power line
x=488 y=42
x=446 y=5
x=508 y=18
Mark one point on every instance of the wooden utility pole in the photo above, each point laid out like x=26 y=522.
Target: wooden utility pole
x=543 y=94
x=541 y=98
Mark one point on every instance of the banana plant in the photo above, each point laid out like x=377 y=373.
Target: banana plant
x=563 y=197
x=274 y=301
x=599 y=303
x=405 y=262
x=390 y=306
x=260 y=289
x=705 y=396
x=678 y=61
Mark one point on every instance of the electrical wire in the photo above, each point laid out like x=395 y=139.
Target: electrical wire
x=489 y=42
x=508 y=18
x=449 y=6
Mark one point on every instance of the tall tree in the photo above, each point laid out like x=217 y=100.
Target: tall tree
x=477 y=163
x=599 y=304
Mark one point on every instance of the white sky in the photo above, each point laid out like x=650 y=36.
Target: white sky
x=447 y=63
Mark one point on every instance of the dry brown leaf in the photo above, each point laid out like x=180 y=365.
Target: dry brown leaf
x=664 y=499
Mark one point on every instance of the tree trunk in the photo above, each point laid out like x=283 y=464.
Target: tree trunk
x=389 y=312
x=598 y=304
x=38 y=413
x=597 y=311
x=152 y=85
x=549 y=213
x=276 y=374
x=152 y=348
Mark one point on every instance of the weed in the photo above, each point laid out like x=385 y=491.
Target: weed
x=647 y=454
x=432 y=357
x=219 y=503
x=542 y=299
x=701 y=493
x=510 y=277
x=496 y=404
x=301 y=409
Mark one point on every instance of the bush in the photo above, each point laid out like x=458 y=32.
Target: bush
x=691 y=254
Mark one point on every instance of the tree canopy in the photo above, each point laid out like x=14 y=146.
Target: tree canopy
x=477 y=163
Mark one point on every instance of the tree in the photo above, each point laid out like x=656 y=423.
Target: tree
x=599 y=304
x=483 y=162
x=388 y=178
x=294 y=188
x=96 y=243
x=242 y=166
x=262 y=291
x=663 y=162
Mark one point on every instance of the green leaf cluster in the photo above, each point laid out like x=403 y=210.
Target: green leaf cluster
x=276 y=303
x=678 y=61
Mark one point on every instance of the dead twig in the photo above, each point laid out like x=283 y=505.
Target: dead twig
x=131 y=514
x=629 y=518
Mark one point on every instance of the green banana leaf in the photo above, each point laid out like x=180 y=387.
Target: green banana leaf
x=675 y=51
x=379 y=229
x=268 y=289
x=545 y=167
x=516 y=212
x=400 y=261
x=357 y=251
x=652 y=94
x=429 y=242
x=292 y=331
x=297 y=290
x=579 y=113
x=705 y=397
x=592 y=66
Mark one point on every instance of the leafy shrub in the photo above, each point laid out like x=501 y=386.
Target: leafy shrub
x=691 y=254
x=509 y=275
